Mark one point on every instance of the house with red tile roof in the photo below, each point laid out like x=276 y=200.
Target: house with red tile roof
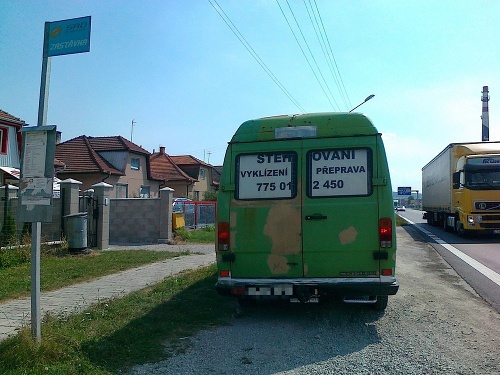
x=10 y=147
x=187 y=175
x=114 y=160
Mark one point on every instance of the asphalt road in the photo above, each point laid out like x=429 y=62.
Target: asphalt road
x=483 y=276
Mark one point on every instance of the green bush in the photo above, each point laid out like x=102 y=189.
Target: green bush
x=182 y=234
x=8 y=235
x=210 y=196
x=13 y=257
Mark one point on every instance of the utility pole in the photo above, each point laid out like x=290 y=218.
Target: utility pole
x=485 y=115
x=132 y=130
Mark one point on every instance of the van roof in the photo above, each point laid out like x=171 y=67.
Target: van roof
x=336 y=124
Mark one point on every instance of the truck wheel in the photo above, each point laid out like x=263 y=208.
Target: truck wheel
x=459 y=228
x=381 y=303
x=446 y=228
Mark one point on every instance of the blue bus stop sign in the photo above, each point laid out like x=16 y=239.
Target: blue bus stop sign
x=67 y=36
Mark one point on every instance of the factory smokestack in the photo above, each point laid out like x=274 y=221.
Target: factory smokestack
x=485 y=116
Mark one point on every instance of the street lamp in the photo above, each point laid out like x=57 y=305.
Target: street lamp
x=367 y=98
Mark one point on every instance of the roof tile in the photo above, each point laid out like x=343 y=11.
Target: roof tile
x=163 y=167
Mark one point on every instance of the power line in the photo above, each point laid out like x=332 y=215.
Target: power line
x=331 y=52
x=321 y=40
x=305 y=56
x=254 y=54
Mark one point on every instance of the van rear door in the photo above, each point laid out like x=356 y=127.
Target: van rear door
x=265 y=211
x=340 y=215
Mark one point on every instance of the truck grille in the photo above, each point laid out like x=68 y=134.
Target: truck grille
x=485 y=206
x=490 y=225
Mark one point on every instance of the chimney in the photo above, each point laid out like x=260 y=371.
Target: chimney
x=58 y=137
x=162 y=150
x=485 y=117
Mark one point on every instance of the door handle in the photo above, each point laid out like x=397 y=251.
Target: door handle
x=316 y=217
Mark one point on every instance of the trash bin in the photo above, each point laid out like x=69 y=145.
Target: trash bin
x=178 y=220
x=76 y=231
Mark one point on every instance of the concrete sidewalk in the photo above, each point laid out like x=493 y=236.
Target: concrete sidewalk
x=15 y=314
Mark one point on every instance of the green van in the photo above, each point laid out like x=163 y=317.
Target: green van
x=305 y=210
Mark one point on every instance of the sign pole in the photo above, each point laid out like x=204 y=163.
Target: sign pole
x=37 y=165
x=45 y=79
x=36 y=329
x=36 y=227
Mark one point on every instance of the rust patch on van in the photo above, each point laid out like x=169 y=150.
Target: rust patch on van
x=283 y=228
x=277 y=264
x=348 y=235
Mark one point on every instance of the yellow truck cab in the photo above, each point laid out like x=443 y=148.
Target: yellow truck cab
x=305 y=209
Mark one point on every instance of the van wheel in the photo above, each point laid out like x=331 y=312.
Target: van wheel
x=381 y=303
x=246 y=302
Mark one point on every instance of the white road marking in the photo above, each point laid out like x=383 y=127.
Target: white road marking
x=489 y=273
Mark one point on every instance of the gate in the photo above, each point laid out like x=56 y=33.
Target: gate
x=88 y=204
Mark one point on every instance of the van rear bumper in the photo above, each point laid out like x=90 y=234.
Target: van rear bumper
x=280 y=288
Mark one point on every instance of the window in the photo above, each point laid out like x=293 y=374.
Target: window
x=339 y=172
x=145 y=192
x=121 y=191
x=270 y=175
x=202 y=173
x=135 y=163
x=4 y=135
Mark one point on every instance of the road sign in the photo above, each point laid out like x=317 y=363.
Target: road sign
x=404 y=190
x=67 y=36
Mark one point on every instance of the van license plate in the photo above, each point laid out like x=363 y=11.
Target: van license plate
x=276 y=290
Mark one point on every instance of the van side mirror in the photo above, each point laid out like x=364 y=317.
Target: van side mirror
x=456 y=180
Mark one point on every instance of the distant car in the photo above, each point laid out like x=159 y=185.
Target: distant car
x=178 y=204
x=400 y=208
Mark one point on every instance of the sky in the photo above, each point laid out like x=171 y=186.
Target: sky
x=180 y=75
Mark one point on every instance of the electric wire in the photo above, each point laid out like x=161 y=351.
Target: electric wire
x=331 y=51
x=252 y=52
x=320 y=36
x=305 y=55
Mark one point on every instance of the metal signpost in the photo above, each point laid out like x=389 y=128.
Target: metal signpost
x=37 y=161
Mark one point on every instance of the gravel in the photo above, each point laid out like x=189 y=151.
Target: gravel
x=436 y=324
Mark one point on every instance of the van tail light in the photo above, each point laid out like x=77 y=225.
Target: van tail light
x=385 y=232
x=223 y=236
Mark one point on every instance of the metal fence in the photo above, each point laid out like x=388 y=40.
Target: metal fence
x=199 y=214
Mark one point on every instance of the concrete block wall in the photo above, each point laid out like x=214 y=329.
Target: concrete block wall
x=121 y=221
x=50 y=231
x=134 y=220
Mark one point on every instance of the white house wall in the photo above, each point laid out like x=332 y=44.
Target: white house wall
x=117 y=159
x=11 y=159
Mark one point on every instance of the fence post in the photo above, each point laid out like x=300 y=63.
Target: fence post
x=70 y=196
x=166 y=195
x=101 y=193
x=69 y=199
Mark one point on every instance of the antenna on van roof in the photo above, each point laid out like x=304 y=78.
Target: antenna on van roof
x=363 y=102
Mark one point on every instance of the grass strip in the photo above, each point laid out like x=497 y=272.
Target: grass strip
x=112 y=336
x=58 y=272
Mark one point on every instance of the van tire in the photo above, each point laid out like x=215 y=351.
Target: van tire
x=246 y=302
x=381 y=303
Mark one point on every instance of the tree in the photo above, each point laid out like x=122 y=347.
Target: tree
x=210 y=196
